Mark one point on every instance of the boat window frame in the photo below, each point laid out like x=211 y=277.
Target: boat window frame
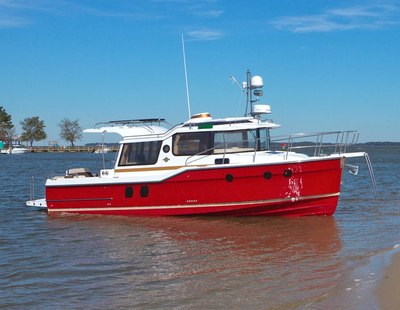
x=207 y=145
x=264 y=141
x=200 y=143
x=139 y=153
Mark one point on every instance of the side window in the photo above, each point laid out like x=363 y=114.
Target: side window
x=263 y=139
x=141 y=153
x=229 y=139
x=252 y=139
x=192 y=143
x=235 y=141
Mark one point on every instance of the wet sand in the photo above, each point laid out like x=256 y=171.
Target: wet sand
x=388 y=291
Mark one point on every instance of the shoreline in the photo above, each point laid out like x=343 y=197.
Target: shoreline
x=388 y=289
x=69 y=149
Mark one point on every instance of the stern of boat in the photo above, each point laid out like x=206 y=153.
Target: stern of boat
x=37 y=203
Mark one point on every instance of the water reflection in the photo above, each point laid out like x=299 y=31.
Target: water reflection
x=260 y=263
x=202 y=262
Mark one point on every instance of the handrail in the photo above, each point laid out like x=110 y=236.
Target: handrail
x=32 y=188
x=200 y=153
x=254 y=149
x=341 y=140
x=133 y=121
x=336 y=142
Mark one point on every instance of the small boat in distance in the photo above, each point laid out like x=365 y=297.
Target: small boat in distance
x=102 y=149
x=210 y=166
x=15 y=150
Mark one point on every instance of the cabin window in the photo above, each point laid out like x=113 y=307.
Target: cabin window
x=141 y=153
x=192 y=143
x=220 y=142
x=263 y=138
x=235 y=141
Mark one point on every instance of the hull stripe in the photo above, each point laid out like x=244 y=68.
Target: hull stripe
x=229 y=204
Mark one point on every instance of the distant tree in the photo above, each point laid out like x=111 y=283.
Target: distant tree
x=5 y=125
x=33 y=129
x=9 y=136
x=70 y=130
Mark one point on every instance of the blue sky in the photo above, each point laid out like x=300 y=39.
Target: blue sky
x=326 y=65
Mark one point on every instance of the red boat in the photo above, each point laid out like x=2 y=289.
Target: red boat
x=206 y=166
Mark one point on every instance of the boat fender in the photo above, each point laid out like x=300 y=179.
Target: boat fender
x=229 y=177
x=287 y=173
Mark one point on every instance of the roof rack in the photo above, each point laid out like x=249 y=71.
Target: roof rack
x=133 y=121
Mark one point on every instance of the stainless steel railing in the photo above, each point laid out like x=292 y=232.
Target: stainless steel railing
x=317 y=144
x=312 y=144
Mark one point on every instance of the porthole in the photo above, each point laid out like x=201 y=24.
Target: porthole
x=267 y=175
x=229 y=177
x=128 y=192
x=287 y=173
x=166 y=148
x=144 y=191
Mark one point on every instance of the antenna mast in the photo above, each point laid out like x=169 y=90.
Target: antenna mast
x=186 y=79
x=253 y=88
x=248 y=93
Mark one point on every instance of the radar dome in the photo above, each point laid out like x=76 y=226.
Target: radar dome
x=256 y=82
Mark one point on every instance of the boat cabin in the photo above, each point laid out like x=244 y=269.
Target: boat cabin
x=194 y=140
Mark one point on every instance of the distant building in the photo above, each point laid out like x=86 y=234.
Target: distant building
x=53 y=143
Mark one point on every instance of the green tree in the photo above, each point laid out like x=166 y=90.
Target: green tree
x=6 y=125
x=33 y=129
x=70 y=130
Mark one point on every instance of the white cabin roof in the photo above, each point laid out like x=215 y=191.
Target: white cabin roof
x=143 y=131
x=126 y=130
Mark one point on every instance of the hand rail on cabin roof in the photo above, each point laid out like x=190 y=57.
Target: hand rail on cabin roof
x=133 y=121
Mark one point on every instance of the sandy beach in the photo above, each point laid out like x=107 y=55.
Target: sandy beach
x=388 y=291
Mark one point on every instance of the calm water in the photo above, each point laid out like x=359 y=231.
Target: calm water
x=97 y=262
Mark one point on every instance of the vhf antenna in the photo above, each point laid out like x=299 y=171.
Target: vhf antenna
x=186 y=79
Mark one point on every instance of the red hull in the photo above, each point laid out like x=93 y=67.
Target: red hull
x=293 y=189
